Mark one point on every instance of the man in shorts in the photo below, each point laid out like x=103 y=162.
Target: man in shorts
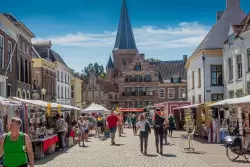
x=112 y=120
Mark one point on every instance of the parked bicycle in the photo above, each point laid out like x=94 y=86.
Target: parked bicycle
x=235 y=149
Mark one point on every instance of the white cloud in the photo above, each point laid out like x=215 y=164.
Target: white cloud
x=186 y=34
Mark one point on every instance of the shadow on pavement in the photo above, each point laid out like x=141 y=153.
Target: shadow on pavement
x=169 y=155
x=151 y=155
x=50 y=157
x=195 y=152
x=242 y=161
x=118 y=145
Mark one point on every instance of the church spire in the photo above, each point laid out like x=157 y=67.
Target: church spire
x=125 y=36
x=110 y=63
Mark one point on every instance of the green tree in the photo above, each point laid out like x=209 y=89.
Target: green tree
x=98 y=69
x=153 y=61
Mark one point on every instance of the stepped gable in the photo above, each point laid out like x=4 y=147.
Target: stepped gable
x=219 y=32
x=125 y=36
x=168 y=69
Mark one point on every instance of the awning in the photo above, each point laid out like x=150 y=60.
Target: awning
x=188 y=106
x=221 y=103
x=131 y=109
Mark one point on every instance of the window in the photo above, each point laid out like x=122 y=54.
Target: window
x=24 y=95
x=199 y=98
x=58 y=76
x=182 y=92
x=248 y=59
x=65 y=93
x=68 y=93
x=161 y=92
x=23 y=47
x=61 y=76
x=61 y=92
x=230 y=69
x=192 y=79
x=199 y=77
x=8 y=90
x=28 y=95
x=239 y=66
x=231 y=94
x=58 y=91
x=216 y=75
x=1 y=52
x=239 y=93
x=171 y=93
x=9 y=56
x=66 y=81
x=193 y=100
x=27 y=49
x=217 y=97
x=90 y=96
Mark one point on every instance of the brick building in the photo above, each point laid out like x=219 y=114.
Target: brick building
x=43 y=73
x=133 y=81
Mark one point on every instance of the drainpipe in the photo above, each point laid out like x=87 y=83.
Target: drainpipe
x=204 y=80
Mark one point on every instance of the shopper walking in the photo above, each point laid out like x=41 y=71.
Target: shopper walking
x=61 y=130
x=133 y=122
x=171 y=123
x=81 y=131
x=86 y=128
x=15 y=146
x=144 y=129
x=158 y=129
x=120 y=124
x=99 y=125
x=111 y=121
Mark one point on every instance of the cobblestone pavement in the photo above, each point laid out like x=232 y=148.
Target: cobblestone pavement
x=102 y=154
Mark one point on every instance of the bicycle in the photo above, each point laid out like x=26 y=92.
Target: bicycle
x=234 y=144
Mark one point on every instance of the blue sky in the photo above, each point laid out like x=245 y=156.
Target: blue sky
x=83 y=31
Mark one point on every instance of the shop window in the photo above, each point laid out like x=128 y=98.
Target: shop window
x=182 y=92
x=217 y=97
x=8 y=90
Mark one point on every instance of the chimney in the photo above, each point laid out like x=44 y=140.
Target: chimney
x=233 y=3
x=185 y=58
x=218 y=15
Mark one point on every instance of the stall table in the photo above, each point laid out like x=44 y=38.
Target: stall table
x=45 y=144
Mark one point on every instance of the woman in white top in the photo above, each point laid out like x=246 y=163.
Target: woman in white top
x=81 y=130
x=144 y=128
x=86 y=128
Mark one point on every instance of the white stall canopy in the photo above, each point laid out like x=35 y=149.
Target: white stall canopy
x=95 y=108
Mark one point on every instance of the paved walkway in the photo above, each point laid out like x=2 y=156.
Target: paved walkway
x=101 y=154
x=212 y=154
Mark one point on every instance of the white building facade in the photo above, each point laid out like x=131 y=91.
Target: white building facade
x=64 y=75
x=236 y=56
x=205 y=66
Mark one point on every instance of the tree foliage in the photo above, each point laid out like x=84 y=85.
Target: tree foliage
x=153 y=61
x=98 y=69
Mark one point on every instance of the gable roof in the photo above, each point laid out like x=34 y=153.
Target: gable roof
x=125 y=36
x=42 y=50
x=168 y=69
x=107 y=86
x=219 y=32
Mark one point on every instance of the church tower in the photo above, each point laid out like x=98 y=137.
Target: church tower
x=125 y=47
x=110 y=70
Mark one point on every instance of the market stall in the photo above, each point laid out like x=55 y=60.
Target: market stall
x=9 y=109
x=238 y=114
x=40 y=131
x=95 y=108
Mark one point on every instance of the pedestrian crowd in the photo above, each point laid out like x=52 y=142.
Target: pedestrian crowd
x=17 y=144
